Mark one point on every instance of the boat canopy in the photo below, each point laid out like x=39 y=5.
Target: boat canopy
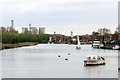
x=93 y=57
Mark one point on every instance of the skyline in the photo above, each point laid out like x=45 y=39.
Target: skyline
x=63 y=16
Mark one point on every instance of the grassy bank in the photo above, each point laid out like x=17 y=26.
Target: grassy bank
x=109 y=46
x=8 y=46
x=14 y=40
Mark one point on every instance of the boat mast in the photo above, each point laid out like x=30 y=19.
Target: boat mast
x=78 y=40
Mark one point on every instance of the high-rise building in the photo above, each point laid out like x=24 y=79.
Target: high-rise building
x=41 y=30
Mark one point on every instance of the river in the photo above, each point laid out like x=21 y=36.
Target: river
x=42 y=61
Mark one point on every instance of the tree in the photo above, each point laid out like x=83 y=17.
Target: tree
x=103 y=31
x=105 y=34
x=11 y=38
x=95 y=35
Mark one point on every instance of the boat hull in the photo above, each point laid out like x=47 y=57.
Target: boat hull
x=92 y=63
x=95 y=46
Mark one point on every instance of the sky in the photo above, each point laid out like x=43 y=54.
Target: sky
x=61 y=16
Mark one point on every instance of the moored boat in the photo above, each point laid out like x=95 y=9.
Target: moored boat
x=116 y=47
x=78 y=43
x=94 y=60
x=96 y=44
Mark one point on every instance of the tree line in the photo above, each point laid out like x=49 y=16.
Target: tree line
x=12 y=38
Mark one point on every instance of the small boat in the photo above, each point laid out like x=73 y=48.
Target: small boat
x=96 y=44
x=116 y=47
x=78 y=43
x=101 y=46
x=50 y=40
x=94 y=60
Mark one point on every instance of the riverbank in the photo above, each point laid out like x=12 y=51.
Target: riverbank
x=9 y=46
x=110 y=46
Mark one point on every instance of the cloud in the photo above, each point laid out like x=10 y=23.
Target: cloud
x=78 y=28
x=26 y=8
x=45 y=6
x=56 y=14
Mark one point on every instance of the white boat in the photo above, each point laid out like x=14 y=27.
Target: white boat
x=94 y=60
x=50 y=40
x=78 y=43
x=116 y=47
x=101 y=46
x=96 y=44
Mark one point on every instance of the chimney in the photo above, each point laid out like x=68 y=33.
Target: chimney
x=12 y=23
x=29 y=25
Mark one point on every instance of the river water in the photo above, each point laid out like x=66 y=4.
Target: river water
x=42 y=61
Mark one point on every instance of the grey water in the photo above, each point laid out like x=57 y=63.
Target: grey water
x=42 y=61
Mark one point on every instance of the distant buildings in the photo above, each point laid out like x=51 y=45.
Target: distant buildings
x=33 y=30
x=41 y=30
x=24 y=30
x=9 y=28
x=3 y=29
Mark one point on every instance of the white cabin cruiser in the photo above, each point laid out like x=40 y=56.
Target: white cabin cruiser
x=101 y=46
x=78 y=43
x=96 y=44
x=116 y=47
x=94 y=60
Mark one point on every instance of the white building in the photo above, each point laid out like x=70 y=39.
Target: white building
x=33 y=30
x=41 y=30
x=24 y=30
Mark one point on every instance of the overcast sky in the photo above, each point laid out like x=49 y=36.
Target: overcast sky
x=62 y=16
